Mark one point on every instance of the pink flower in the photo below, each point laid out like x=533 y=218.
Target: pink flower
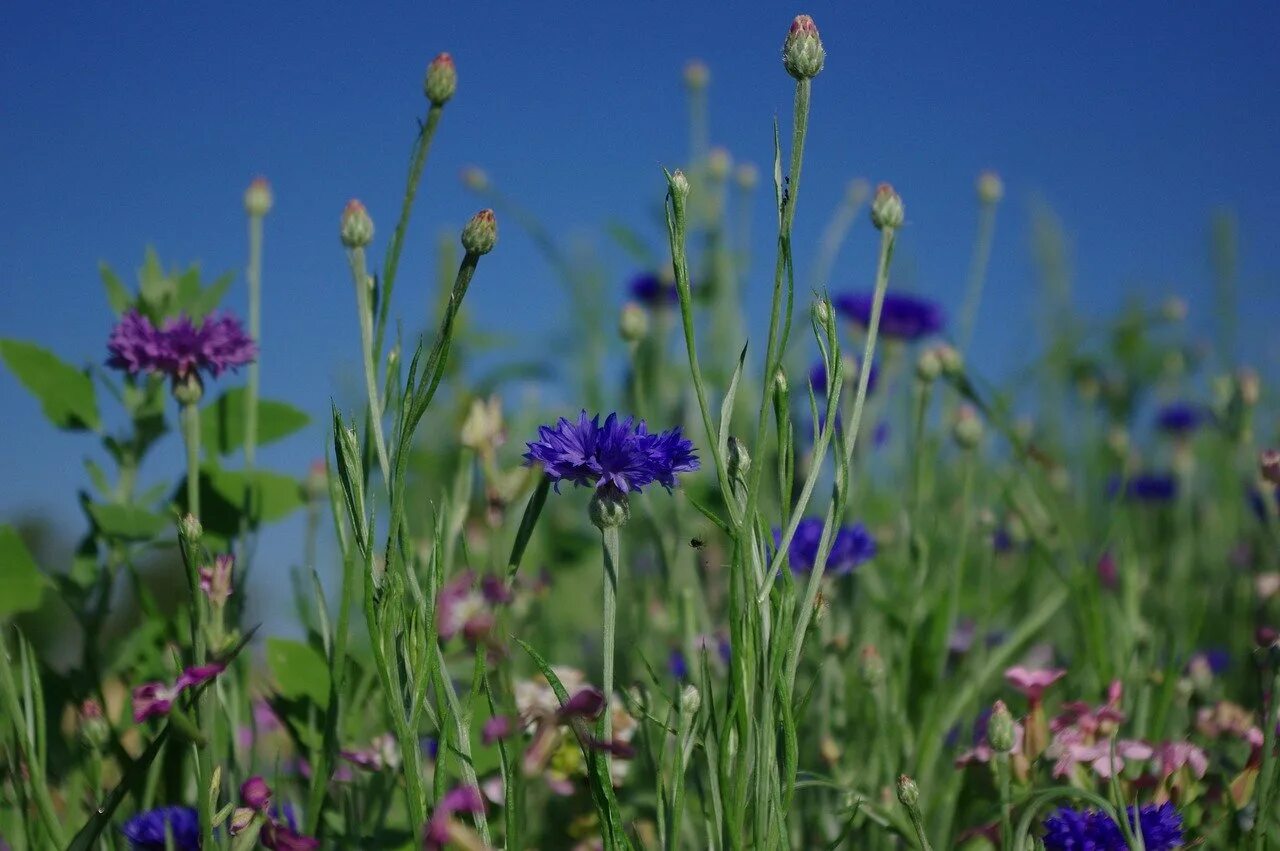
x=153 y=699
x=215 y=581
x=465 y=609
x=200 y=674
x=1033 y=682
x=460 y=799
x=1174 y=756
x=497 y=727
x=255 y=793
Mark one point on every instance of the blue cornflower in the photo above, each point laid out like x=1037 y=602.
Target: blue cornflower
x=1182 y=418
x=146 y=830
x=852 y=546
x=1145 y=487
x=616 y=455
x=902 y=317
x=652 y=291
x=1090 y=830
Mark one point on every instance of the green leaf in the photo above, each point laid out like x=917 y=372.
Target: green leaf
x=225 y=494
x=222 y=421
x=118 y=295
x=22 y=581
x=207 y=300
x=65 y=393
x=127 y=522
x=299 y=670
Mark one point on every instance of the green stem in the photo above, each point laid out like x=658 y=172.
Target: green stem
x=254 y=277
x=29 y=751
x=977 y=274
x=360 y=276
x=1262 y=794
x=190 y=418
x=873 y=326
x=1000 y=764
x=609 y=540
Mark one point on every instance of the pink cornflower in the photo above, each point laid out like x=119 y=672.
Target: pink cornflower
x=1033 y=682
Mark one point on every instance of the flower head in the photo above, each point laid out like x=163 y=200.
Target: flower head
x=464 y=608
x=652 y=290
x=802 y=52
x=179 y=348
x=852 y=546
x=257 y=198
x=1033 y=682
x=155 y=699
x=255 y=793
x=902 y=317
x=615 y=455
x=146 y=831
x=1180 y=419
x=441 y=828
x=1091 y=830
x=818 y=376
x=480 y=233
x=215 y=581
x=1145 y=487
x=441 y=81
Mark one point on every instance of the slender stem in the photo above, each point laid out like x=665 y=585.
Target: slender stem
x=360 y=275
x=864 y=374
x=977 y=273
x=609 y=544
x=1262 y=795
x=190 y=417
x=1000 y=763
x=254 y=277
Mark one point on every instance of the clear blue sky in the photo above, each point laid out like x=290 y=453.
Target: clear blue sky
x=130 y=123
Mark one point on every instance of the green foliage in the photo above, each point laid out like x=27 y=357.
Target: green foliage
x=299 y=670
x=66 y=394
x=23 y=583
x=222 y=422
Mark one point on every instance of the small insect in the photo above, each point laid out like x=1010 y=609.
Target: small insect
x=697 y=543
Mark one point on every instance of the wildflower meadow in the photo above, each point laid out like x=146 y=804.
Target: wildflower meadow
x=811 y=582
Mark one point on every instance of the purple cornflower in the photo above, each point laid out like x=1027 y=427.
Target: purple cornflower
x=902 y=317
x=852 y=546
x=1091 y=830
x=1145 y=487
x=651 y=290
x=1180 y=419
x=441 y=828
x=615 y=455
x=180 y=347
x=146 y=830
x=464 y=608
x=154 y=699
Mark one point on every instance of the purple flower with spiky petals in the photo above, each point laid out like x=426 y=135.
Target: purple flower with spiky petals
x=616 y=455
x=902 y=317
x=1091 y=830
x=1145 y=487
x=651 y=290
x=180 y=347
x=146 y=831
x=852 y=546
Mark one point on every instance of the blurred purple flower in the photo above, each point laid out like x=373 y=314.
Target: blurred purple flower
x=852 y=546
x=146 y=831
x=460 y=799
x=1182 y=418
x=1145 y=487
x=615 y=455
x=651 y=290
x=180 y=347
x=902 y=317
x=1091 y=830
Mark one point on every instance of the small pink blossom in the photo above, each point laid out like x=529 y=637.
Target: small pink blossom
x=1033 y=682
x=152 y=699
x=215 y=580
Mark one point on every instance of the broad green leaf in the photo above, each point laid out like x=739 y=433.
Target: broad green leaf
x=118 y=295
x=127 y=522
x=22 y=581
x=299 y=670
x=222 y=421
x=207 y=300
x=224 y=495
x=65 y=393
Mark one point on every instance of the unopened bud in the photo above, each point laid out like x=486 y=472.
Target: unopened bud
x=822 y=311
x=739 y=460
x=257 y=198
x=481 y=233
x=780 y=381
x=951 y=360
x=746 y=176
x=357 y=227
x=990 y=188
x=967 y=430
x=802 y=53
x=633 y=323
x=255 y=793
x=483 y=427
x=1250 y=388
x=690 y=700
x=1174 y=309
x=908 y=792
x=192 y=529
x=241 y=818
x=609 y=508
x=928 y=365
x=441 y=81
x=94 y=730
x=871 y=666
x=696 y=74
x=1000 y=730
x=887 y=210
x=718 y=164
x=474 y=178
x=829 y=750
x=1269 y=466
x=679 y=184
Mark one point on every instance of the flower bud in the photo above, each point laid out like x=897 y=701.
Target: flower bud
x=690 y=700
x=871 y=666
x=1248 y=386
x=481 y=233
x=746 y=176
x=696 y=75
x=908 y=792
x=718 y=164
x=928 y=365
x=887 y=210
x=188 y=389
x=93 y=728
x=967 y=430
x=679 y=184
x=192 y=529
x=255 y=793
x=822 y=311
x=609 y=508
x=990 y=188
x=241 y=818
x=802 y=53
x=633 y=323
x=357 y=227
x=1000 y=730
x=475 y=179
x=739 y=460
x=951 y=360
x=1269 y=466
x=1174 y=309
x=441 y=81
x=257 y=198
x=483 y=427
x=780 y=381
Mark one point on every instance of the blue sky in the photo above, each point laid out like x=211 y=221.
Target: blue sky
x=130 y=123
